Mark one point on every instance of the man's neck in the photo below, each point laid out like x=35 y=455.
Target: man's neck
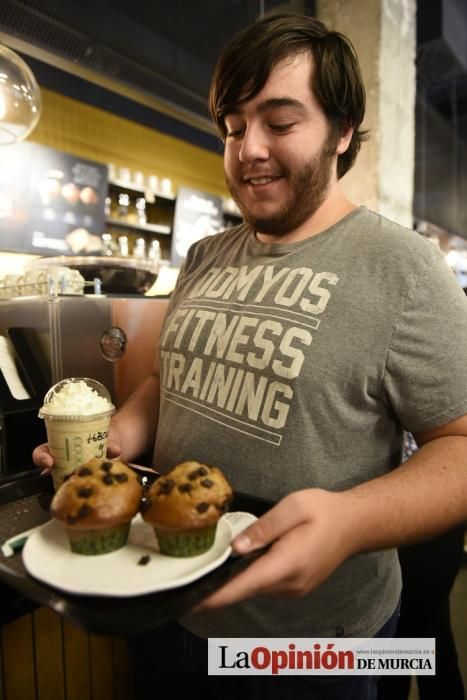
x=334 y=208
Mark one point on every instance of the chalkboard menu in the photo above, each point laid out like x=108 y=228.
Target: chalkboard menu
x=197 y=215
x=50 y=202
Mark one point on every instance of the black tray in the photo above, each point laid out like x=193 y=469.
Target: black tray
x=24 y=503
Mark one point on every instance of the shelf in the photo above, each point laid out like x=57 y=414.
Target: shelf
x=149 y=228
x=128 y=185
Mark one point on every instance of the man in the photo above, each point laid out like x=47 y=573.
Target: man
x=295 y=350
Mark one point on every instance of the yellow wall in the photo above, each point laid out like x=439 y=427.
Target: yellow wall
x=89 y=132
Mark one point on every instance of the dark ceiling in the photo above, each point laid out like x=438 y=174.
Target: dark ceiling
x=160 y=48
x=200 y=28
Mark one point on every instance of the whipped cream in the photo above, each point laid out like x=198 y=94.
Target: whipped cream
x=78 y=399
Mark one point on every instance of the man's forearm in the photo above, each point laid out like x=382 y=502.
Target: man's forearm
x=134 y=425
x=423 y=497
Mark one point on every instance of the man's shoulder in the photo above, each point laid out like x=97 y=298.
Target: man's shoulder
x=393 y=239
x=226 y=234
x=218 y=241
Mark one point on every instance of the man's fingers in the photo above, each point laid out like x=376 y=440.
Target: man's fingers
x=113 y=449
x=283 y=517
x=42 y=458
x=273 y=573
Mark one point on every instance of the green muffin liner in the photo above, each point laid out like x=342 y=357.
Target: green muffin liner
x=186 y=543
x=101 y=541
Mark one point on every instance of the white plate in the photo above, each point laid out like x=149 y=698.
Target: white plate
x=47 y=556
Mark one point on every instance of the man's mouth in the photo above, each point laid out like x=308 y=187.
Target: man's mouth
x=262 y=180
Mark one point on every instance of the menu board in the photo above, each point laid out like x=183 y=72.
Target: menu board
x=50 y=202
x=197 y=215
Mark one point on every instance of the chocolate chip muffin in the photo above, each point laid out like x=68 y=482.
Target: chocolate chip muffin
x=96 y=505
x=184 y=506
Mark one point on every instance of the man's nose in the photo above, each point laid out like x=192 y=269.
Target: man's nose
x=254 y=145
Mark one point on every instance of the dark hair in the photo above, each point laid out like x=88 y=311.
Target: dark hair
x=245 y=64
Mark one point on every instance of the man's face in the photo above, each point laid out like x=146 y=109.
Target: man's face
x=280 y=154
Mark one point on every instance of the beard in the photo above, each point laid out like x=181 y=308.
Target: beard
x=308 y=186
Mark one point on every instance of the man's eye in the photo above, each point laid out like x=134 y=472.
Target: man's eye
x=234 y=133
x=281 y=128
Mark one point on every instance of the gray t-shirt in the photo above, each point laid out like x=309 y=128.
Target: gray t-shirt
x=292 y=366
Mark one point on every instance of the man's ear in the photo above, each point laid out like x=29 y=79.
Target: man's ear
x=344 y=139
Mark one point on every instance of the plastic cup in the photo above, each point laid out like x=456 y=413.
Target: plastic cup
x=76 y=432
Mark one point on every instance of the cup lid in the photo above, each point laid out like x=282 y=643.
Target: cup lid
x=76 y=398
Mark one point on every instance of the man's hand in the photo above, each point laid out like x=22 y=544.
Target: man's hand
x=309 y=536
x=114 y=448
x=42 y=458
x=311 y=532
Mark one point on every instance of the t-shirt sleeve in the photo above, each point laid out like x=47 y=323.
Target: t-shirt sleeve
x=426 y=370
x=188 y=263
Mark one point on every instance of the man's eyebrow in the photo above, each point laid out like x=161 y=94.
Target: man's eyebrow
x=271 y=103
x=280 y=102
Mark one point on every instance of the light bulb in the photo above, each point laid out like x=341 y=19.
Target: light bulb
x=2 y=106
x=20 y=98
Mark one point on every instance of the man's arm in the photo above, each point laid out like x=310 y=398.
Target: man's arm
x=133 y=428
x=311 y=532
x=424 y=496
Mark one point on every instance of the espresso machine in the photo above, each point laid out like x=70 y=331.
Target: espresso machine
x=45 y=339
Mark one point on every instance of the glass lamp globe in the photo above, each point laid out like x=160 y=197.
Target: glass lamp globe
x=20 y=98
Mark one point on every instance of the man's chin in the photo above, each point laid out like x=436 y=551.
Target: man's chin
x=268 y=226
x=267 y=219
x=255 y=209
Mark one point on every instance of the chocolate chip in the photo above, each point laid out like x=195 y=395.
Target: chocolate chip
x=106 y=466
x=185 y=488
x=84 y=471
x=144 y=560
x=84 y=492
x=121 y=477
x=146 y=503
x=201 y=471
x=71 y=519
x=166 y=486
x=84 y=511
x=207 y=483
x=202 y=507
x=108 y=479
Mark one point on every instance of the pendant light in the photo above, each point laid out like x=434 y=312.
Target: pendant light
x=20 y=98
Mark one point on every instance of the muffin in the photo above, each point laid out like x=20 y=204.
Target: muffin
x=184 y=506
x=96 y=505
